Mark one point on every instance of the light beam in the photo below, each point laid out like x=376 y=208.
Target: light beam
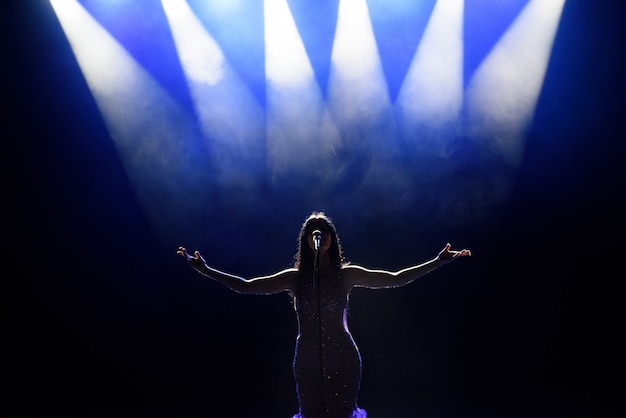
x=359 y=102
x=432 y=93
x=357 y=87
x=503 y=93
x=150 y=130
x=300 y=138
x=230 y=117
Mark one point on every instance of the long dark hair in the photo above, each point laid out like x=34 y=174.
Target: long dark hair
x=304 y=258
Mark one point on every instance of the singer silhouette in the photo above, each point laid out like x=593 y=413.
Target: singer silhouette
x=327 y=362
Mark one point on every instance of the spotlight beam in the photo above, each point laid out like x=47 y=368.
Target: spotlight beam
x=150 y=130
x=230 y=117
x=503 y=93
x=357 y=87
x=432 y=92
x=300 y=137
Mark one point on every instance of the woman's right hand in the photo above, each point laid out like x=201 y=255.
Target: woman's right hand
x=196 y=260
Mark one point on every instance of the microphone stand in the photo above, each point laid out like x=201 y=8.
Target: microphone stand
x=318 y=310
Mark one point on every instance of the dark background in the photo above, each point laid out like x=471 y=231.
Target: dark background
x=105 y=320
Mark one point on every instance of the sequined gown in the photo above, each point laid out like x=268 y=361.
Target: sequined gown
x=327 y=362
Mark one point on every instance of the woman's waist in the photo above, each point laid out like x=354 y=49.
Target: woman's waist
x=325 y=334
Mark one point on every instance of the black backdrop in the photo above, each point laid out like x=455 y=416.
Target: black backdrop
x=105 y=321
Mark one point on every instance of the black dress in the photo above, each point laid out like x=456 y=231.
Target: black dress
x=327 y=362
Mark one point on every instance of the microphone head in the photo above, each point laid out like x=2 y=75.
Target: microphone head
x=317 y=239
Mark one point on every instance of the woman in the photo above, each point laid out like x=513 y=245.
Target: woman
x=327 y=362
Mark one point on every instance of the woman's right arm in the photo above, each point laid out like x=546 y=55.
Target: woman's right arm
x=284 y=280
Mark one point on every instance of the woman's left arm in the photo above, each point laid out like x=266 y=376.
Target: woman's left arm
x=357 y=276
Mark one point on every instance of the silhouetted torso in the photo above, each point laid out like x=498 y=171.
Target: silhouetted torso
x=327 y=363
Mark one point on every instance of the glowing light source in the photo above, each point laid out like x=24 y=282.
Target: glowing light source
x=299 y=141
x=199 y=53
x=286 y=62
x=356 y=86
x=230 y=117
x=261 y=112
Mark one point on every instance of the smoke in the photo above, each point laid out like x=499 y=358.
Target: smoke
x=438 y=155
x=504 y=91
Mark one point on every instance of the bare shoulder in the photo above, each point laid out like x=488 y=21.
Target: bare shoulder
x=352 y=273
x=356 y=270
x=283 y=280
x=289 y=271
x=289 y=275
x=353 y=269
x=358 y=276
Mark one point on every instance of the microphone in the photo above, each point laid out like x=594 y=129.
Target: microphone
x=317 y=238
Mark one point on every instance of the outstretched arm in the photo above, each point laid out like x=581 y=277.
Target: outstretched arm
x=377 y=279
x=282 y=281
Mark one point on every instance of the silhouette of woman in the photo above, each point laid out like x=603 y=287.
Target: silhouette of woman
x=327 y=362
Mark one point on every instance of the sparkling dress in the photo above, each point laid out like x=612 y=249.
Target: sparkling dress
x=327 y=362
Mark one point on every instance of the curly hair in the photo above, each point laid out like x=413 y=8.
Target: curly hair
x=304 y=258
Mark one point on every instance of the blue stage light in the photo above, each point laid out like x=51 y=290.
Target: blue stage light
x=367 y=99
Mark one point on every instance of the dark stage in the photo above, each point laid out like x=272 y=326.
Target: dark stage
x=105 y=320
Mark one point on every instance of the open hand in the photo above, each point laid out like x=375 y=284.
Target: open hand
x=196 y=260
x=448 y=255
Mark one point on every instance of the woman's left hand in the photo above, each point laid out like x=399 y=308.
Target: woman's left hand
x=448 y=255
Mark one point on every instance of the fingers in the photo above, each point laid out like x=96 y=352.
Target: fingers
x=197 y=256
x=182 y=251
x=462 y=253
